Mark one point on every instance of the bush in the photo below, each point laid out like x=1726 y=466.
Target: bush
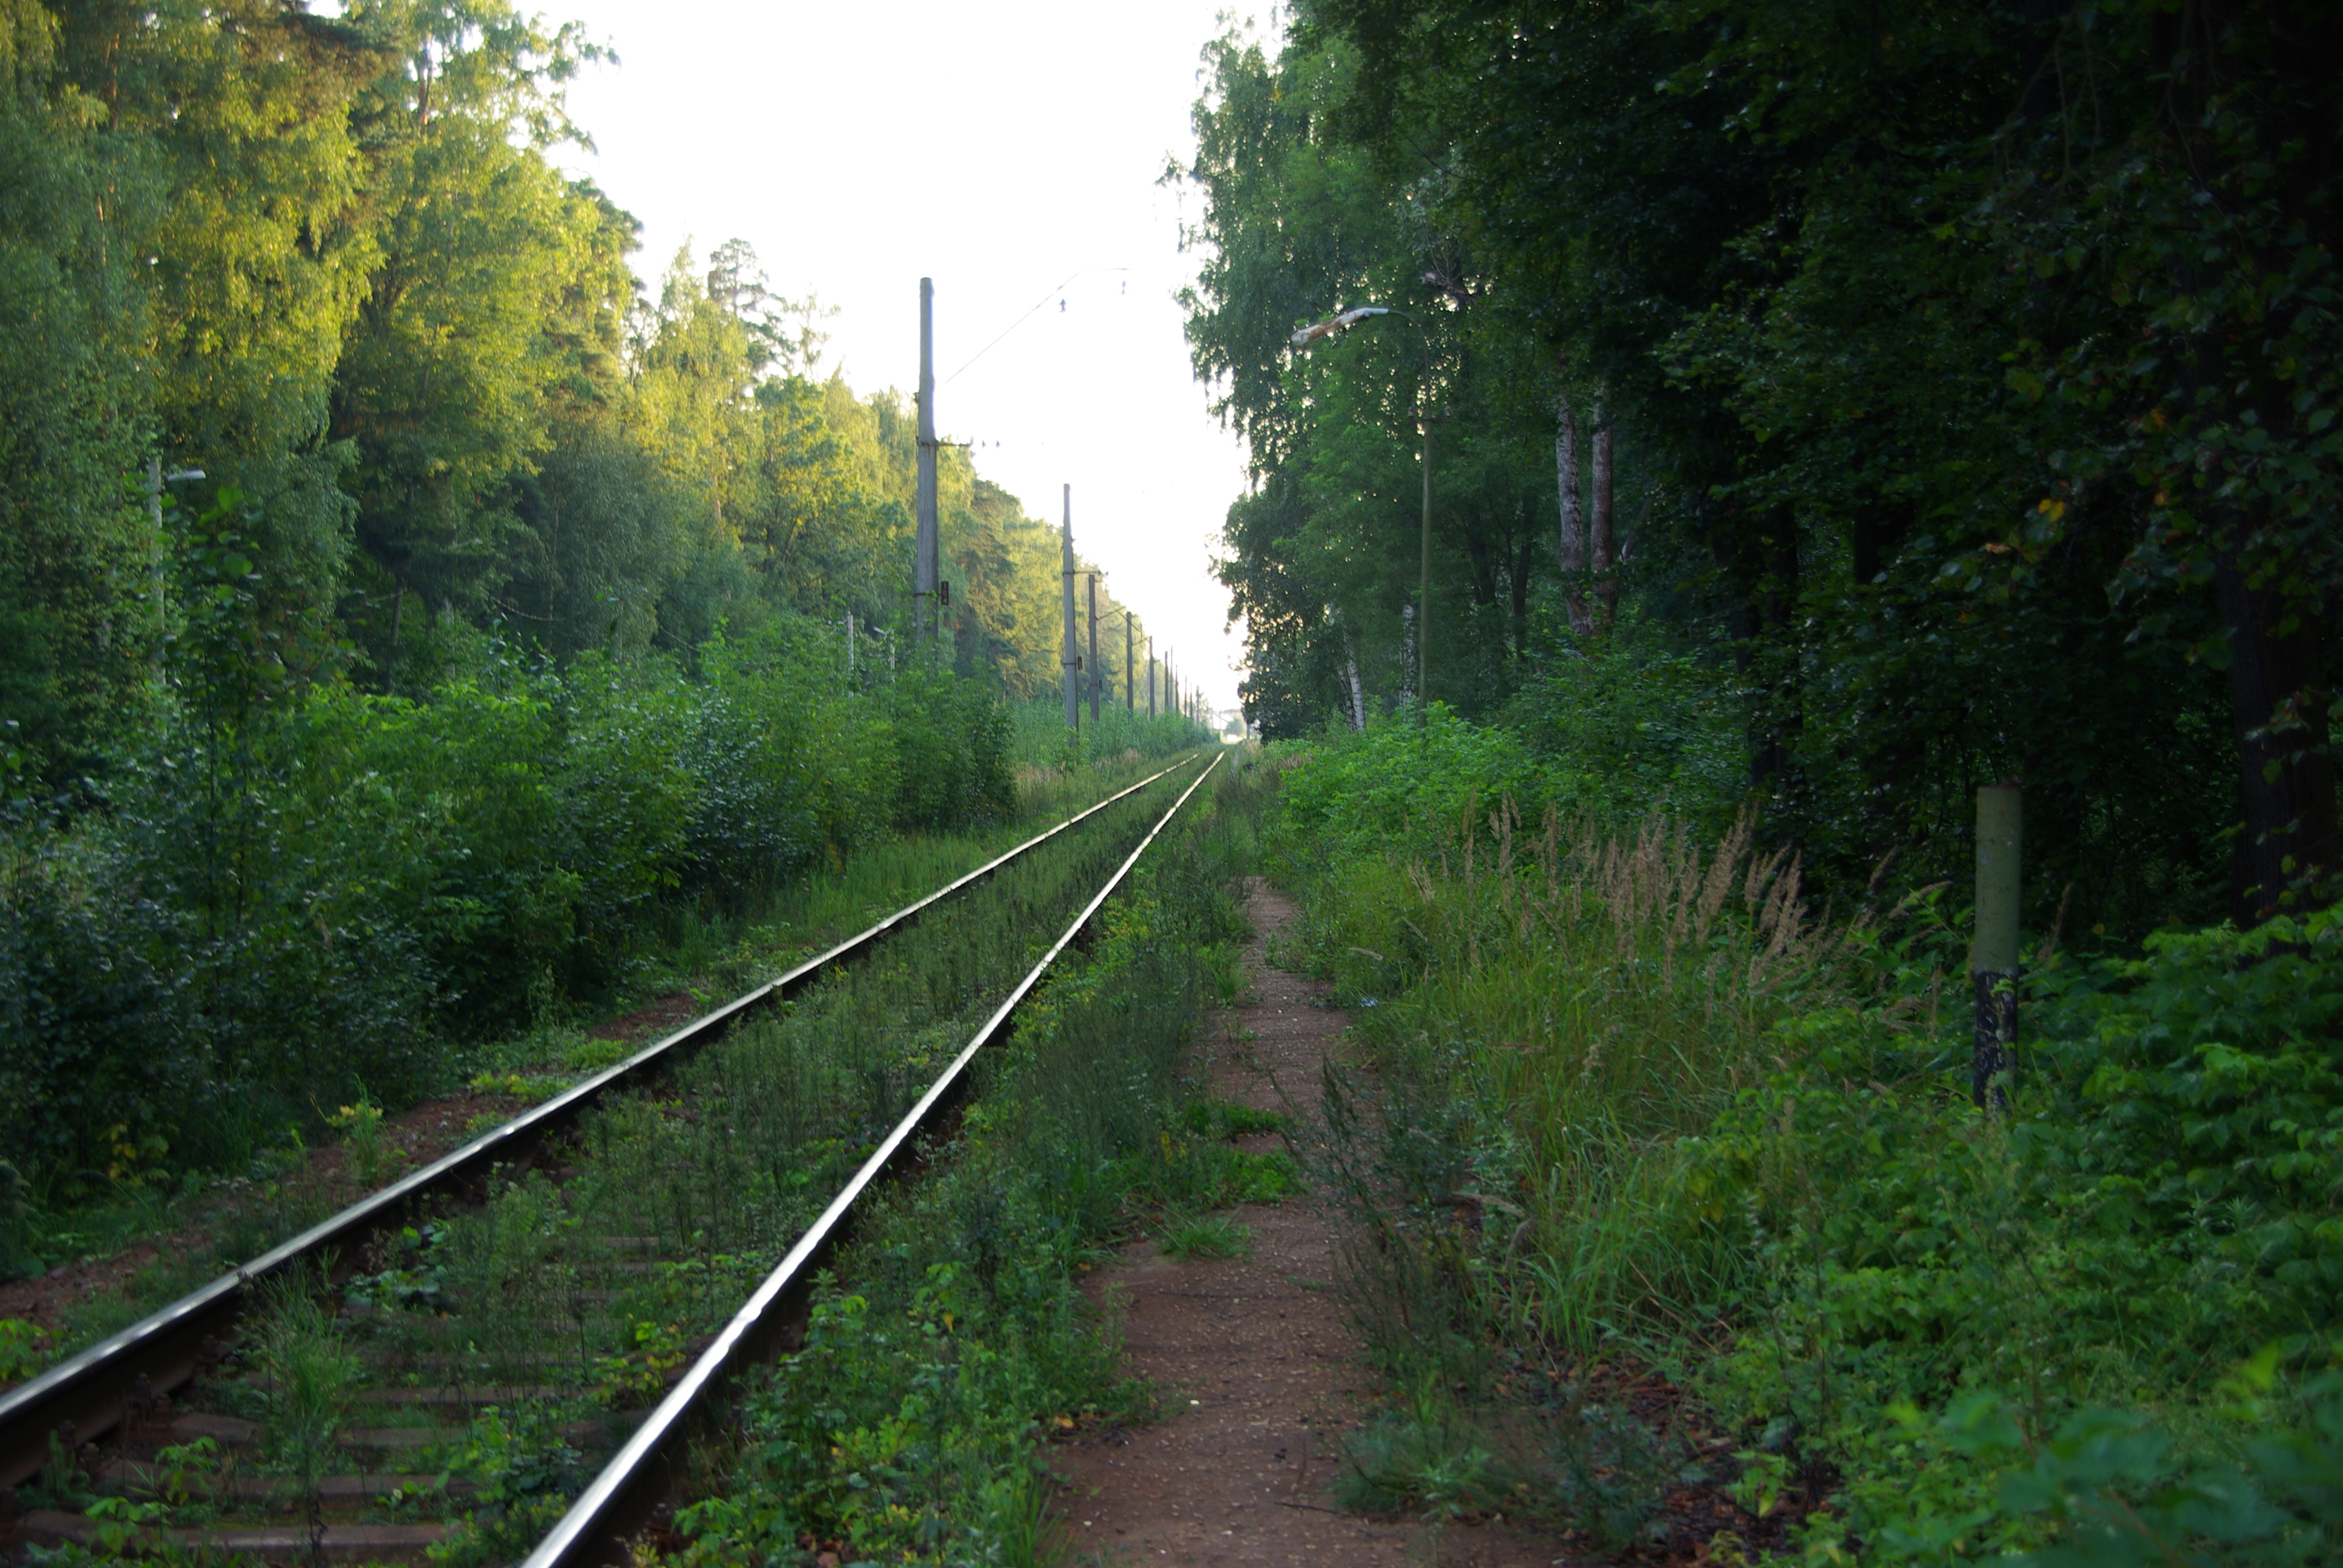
x=1404 y=785
x=1631 y=1105
x=951 y=751
x=312 y=896
x=1038 y=736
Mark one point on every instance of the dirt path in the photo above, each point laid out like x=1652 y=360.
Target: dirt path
x=1260 y=1373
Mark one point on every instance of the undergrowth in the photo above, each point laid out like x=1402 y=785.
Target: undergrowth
x=904 y=1423
x=1673 y=1213
x=953 y=1333
x=280 y=1190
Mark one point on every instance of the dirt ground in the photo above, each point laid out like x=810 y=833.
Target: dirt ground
x=1260 y=1375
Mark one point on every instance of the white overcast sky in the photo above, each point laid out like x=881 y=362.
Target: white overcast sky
x=999 y=149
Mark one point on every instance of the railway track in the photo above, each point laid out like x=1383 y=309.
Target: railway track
x=587 y=1286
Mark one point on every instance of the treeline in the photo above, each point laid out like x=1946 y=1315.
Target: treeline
x=408 y=621
x=1841 y=405
x=330 y=264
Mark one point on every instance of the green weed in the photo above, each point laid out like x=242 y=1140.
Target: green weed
x=522 y=1469
x=1189 y=1237
x=20 y=1350
x=515 y=1086
x=591 y=1055
x=372 y=1158
x=1631 y=1102
x=307 y=1371
x=641 y=1372
x=954 y=1329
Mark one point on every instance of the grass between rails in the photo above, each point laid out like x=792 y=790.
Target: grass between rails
x=953 y=1336
x=1675 y=1227
x=583 y=1295
x=214 y=1226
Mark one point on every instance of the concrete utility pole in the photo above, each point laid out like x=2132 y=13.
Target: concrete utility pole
x=923 y=570
x=155 y=518
x=155 y=479
x=1423 y=582
x=1126 y=662
x=1151 y=678
x=1993 y=958
x=1094 y=680
x=1072 y=659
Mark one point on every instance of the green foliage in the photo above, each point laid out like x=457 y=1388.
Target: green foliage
x=522 y=1470
x=451 y=687
x=954 y=1329
x=1627 y=726
x=361 y=1126
x=1965 y=418
x=1207 y=1236
x=1039 y=739
x=483 y=622
x=1634 y=1109
x=19 y=1350
x=1404 y=781
x=319 y=892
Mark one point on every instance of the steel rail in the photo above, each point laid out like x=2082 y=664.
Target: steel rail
x=642 y=1475
x=95 y=1389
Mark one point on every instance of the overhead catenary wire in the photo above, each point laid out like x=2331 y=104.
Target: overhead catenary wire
x=1029 y=315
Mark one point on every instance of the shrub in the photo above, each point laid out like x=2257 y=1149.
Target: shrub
x=307 y=898
x=1632 y=1105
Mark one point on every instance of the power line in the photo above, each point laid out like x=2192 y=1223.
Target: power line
x=1028 y=316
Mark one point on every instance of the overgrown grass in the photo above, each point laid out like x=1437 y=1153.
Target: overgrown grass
x=585 y=1295
x=1039 y=739
x=1204 y=1236
x=280 y=1195
x=954 y=1332
x=1637 y=1113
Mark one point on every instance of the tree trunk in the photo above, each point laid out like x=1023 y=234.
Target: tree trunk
x=2286 y=854
x=1606 y=582
x=1358 y=692
x=1781 y=716
x=1890 y=762
x=1522 y=561
x=1570 y=553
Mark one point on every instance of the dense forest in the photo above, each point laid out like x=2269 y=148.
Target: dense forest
x=1834 y=406
x=404 y=609
x=1823 y=412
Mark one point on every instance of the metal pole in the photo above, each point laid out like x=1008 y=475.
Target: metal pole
x=154 y=515
x=1993 y=958
x=1424 y=589
x=1126 y=662
x=923 y=571
x=1151 y=678
x=850 y=643
x=1093 y=681
x=1072 y=659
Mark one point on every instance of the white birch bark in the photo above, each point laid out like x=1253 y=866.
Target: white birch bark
x=1607 y=584
x=1570 y=553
